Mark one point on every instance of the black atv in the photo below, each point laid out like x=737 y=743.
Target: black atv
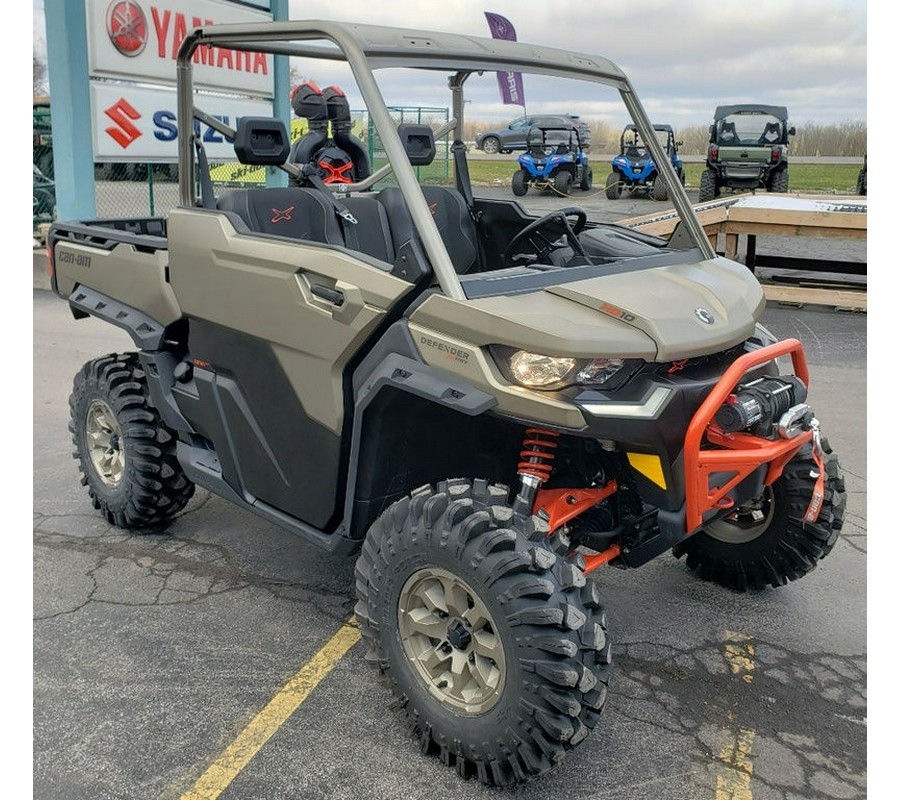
x=748 y=147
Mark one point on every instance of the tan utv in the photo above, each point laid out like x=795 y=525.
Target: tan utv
x=482 y=405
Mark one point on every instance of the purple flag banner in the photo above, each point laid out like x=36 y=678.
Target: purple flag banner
x=510 y=82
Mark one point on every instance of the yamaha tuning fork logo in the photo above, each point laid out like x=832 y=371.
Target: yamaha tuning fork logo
x=126 y=25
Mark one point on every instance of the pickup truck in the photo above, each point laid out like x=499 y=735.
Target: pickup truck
x=481 y=405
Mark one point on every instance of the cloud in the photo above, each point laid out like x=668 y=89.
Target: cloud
x=682 y=58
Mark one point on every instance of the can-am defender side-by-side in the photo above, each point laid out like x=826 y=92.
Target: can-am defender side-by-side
x=481 y=404
x=748 y=149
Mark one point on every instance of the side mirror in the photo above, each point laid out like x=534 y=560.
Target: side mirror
x=679 y=144
x=792 y=131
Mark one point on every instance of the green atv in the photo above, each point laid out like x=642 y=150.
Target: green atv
x=482 y=405
x=748 y=147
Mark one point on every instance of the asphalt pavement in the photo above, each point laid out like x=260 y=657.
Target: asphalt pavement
x=153 y=653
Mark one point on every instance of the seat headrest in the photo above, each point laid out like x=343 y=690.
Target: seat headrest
x=418 y=141
x=307 y=101
x=261 y=140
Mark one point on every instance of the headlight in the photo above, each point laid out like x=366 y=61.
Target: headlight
x=599 y=371
x=538 y=371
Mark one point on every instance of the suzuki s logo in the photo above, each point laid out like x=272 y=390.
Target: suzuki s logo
x=704 y=316
x=122 y=113
x=126 y=26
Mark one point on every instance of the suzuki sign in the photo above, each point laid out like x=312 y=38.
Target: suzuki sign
x=138 y=40
x=138 y=123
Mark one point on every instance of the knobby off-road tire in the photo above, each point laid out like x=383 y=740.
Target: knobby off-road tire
x=708 y=188
x=613 y=186
x=520 y=183
x=563 y=182
x=780 y=182
x=659 y=191
x=125 y=452
x=766 y=543
x=587 y=179
x=493 y=645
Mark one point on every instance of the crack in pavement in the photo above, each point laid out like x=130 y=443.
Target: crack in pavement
x=807 y=712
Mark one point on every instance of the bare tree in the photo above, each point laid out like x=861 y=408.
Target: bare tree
x=40 y=76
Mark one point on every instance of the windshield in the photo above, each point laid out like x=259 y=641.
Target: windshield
x=748 y=130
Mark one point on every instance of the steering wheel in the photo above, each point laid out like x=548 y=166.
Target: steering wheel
x=539 y=241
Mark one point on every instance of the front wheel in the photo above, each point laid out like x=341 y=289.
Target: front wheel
x=613 y=186
x=491 y=145
x=520 y=183
x=766 y=542
x=587 y=179
x=125 y=452
x=563 y=182
x=659 y=191
x=494 y=647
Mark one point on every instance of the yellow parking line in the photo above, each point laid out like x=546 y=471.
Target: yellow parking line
x=733 y=778
x=248 y=743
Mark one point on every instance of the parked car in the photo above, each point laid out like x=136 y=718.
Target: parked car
x=514 y=136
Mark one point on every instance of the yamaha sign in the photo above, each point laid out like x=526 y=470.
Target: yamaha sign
x=132 y=51
x=138 y=40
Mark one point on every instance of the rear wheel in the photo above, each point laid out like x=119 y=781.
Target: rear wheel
x=613 y=186
x=494 y=646
x=125 y=452
x=520 y=182
x=779 y=182
x=491 y=145
x=708 y=188
x=765 y=542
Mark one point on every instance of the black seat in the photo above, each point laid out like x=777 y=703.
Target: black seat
x=372 y=231
x=294 y=212
x=454 y=223
x=771 y=134
x=728 y=133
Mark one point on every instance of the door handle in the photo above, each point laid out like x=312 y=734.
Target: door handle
x=331 y=295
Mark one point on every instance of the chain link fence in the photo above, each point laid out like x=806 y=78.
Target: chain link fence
x=145 y=189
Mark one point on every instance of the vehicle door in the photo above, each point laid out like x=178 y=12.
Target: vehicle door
x=274 y=324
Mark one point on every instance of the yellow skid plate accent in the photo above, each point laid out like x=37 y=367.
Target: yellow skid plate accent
x=649 y=466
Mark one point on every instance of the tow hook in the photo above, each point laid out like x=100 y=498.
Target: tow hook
x=818 y=495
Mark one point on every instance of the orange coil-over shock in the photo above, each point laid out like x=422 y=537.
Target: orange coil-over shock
x=537 y=454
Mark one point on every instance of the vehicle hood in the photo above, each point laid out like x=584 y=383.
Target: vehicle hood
x=660 y=314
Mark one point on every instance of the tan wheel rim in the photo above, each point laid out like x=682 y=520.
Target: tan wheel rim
x=104 y=443
x=745 y=524
x=451 y=641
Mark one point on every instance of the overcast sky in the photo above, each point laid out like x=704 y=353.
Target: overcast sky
x=683 y=58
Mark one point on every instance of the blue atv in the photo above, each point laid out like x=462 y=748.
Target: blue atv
x=633 y=169
x=554 y=161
